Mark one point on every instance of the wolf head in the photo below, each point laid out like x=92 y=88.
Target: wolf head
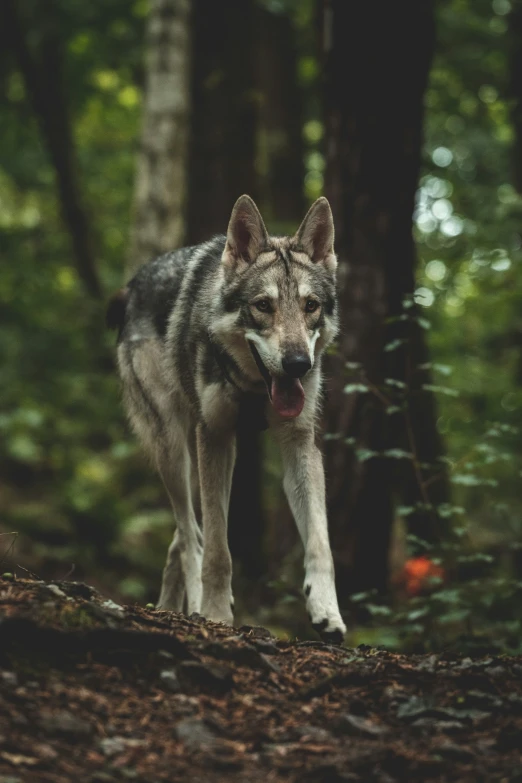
x=279 y=303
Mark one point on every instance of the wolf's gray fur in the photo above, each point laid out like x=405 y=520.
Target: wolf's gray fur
x=201 y=329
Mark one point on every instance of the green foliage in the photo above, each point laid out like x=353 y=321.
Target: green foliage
x=70 y=469
x=469 y=281
x=479 y=615
x=469 y=278
x=74 y=485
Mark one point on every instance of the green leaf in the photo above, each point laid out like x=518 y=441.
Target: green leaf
x=24 y=448
x=397 y=454
x=353 y=365
x=395 y=382
x=447 y=596
x=423 y=322
x=288 y=599
x=363 y=455
x=440 y=390
x=416 y=614
x=358 y=598
x=123 y=450
x=377 y=610
x=469 y=480
x=498 y=428
x=355 y=388
x=394 y=344
x=30 y=417
x=446 y=510
x=460 y=532
x=477 y=557
x=391 y=409
x=418 y=543
x=486 y=448
x=456 y=616
x=444 y=369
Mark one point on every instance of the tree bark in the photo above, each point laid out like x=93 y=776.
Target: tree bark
x=282 y=172
x=42 y=69
x=222 y=165
x=225 y=115
x=280 y=122
x=160 y=190
x=377 y=60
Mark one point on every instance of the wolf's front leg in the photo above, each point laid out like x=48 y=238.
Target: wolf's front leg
x=305 y=489
x=182 y=572
x=216 y=456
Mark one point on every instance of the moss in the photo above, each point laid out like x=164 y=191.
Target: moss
x=74 y=616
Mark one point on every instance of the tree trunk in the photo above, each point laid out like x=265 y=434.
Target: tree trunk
x=222 y=165
x=41 y=67
x=160 y=190
x=377 y=60
x=281 y=122
x=224 y=117
x=282 y=172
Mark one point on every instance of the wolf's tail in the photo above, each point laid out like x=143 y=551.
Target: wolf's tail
x=116 y=309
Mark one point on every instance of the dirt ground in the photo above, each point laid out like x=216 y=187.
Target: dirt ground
x=91 y=691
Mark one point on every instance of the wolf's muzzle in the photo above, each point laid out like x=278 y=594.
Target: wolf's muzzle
x=296 y=365
x=285 y=391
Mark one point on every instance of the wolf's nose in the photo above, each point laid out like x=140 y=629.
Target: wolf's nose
x=296 y=365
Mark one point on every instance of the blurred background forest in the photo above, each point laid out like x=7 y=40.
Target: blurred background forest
x=129 y=128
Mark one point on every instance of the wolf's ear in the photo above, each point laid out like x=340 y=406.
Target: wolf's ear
x=316 y=234
x=246 y=233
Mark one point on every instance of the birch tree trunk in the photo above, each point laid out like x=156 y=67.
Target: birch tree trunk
x=160 y=190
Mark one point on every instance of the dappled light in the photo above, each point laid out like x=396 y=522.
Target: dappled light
x=294 y=552
x=75 y=486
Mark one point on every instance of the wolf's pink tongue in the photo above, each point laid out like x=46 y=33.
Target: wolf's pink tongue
x=287 y=397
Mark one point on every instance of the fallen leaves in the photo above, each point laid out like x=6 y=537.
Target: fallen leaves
x=102 y=693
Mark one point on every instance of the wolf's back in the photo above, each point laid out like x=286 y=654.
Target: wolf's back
x=152 y=293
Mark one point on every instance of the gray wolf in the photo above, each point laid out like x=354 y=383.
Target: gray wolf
x=200 y=329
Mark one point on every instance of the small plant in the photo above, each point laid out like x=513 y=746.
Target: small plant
x=449 y=592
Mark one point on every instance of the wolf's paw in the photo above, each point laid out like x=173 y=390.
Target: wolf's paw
x=219 y=611
x=330 y=633
x=324 y=615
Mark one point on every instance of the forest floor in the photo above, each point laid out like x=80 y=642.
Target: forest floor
x=91 y=691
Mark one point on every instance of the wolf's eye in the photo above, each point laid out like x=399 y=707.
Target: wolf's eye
x=263 y=305
x=311 y=305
